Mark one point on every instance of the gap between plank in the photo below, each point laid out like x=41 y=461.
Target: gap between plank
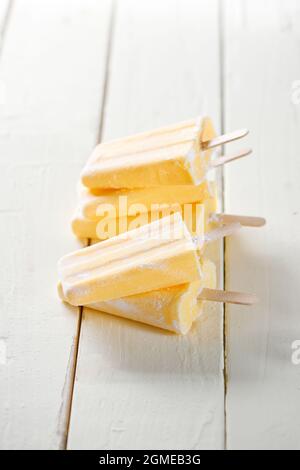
x=222 y=105
x=64 y=444
x=5 y=22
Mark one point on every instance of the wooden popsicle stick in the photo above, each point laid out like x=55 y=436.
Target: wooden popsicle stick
x=224 y=139
x=244 y=220
x=229 y=297
x=230 y=158
x=221 y=232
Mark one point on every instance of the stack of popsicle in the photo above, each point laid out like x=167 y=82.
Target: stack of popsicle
x=149 y=202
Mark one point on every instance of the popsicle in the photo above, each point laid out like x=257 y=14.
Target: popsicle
x=154 y=256
x=175 y=155
x=120 y=201
x=104 y=227
x=173 y=308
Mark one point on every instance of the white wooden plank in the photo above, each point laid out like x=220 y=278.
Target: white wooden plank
x=53 y=67
x=4 y=8
x=262 y=65
x=137 y=387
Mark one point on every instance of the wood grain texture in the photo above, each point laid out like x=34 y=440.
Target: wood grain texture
x=52 y=66
x=262 y=73
x=139 y=387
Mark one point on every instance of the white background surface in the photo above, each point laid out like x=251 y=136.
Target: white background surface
x=73 y=72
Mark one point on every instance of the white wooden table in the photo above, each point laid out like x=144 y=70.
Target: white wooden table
x=74 y=72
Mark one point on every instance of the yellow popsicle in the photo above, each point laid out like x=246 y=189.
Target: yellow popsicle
x=173 y=308
x=167 y=156
x=123 y=202
x=154 y=256
x=83 y=227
